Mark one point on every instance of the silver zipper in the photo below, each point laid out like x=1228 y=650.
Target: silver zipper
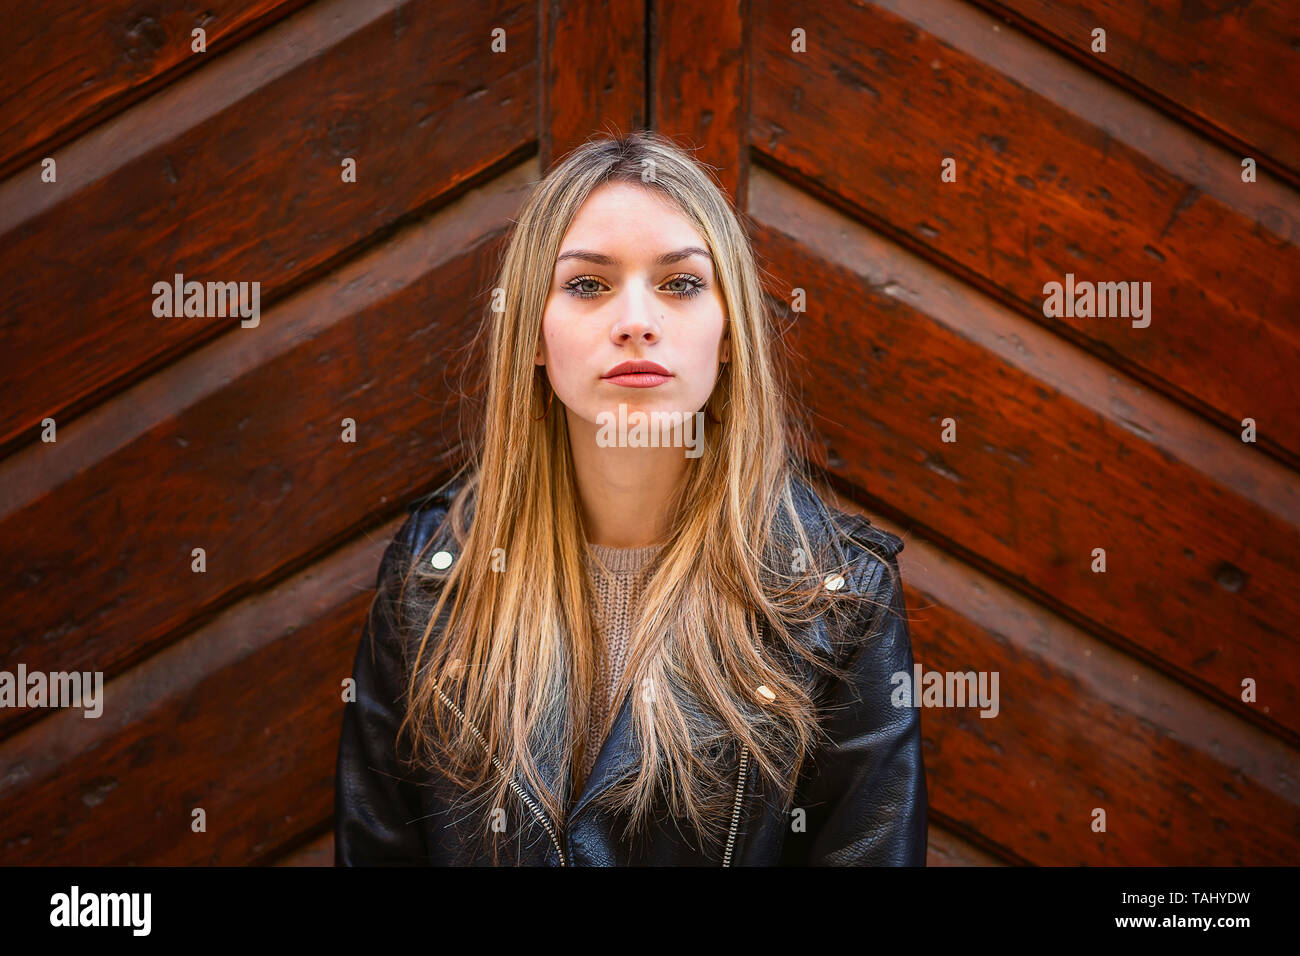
x=735 y=810
x=523 y=795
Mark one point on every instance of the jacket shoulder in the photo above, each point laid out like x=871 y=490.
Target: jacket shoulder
x=864 y=538
x=426 y=519
x=419 y=540
x=871 y=559
x=854 y=534
x=440 y=498
x=865 y=550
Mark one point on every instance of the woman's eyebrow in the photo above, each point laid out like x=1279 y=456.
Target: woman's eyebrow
x=599 y=258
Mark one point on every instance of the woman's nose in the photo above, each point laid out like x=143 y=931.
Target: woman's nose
x=637 y=319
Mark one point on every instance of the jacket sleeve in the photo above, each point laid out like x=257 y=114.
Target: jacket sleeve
x=864 y=792
x=376 y=809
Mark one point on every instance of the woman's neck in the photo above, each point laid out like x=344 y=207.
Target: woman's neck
x=625 y=493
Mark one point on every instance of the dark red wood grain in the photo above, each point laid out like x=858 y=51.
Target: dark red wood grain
x=1044 y=190
x=240 y=719
x=593 y=75
x=1200 y=541
x=250 y=465
x=700 y=92
x=1230 y=68
x=68 y=65
x=319 y=852
x=1082 y=727
x=947 y=849
x=241 y=181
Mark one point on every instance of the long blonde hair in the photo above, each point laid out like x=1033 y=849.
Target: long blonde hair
x=725 y=604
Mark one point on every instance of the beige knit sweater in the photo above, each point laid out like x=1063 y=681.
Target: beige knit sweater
x=619 y=586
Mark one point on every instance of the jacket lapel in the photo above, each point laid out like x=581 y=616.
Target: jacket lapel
x=617 y=758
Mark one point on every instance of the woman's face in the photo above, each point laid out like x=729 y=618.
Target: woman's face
x=633 y=282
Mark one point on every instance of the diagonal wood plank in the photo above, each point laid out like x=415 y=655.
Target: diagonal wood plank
x=1228 y=68
x=234 y=174
x=238 y=449
x=1058 y=174
x=239 y=719
x=1080 y=726
x=75 y=64
x=1055 y=455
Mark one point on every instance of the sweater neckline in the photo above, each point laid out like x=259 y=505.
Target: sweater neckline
x=624 y=559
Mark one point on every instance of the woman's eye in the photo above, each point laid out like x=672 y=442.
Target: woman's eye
x=694 y=285
x=573 y=287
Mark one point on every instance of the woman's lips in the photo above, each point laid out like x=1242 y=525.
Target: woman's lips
x=638 y=379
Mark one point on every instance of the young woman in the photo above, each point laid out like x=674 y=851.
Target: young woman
x=629 y=631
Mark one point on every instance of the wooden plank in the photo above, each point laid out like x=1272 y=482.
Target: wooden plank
x=1055 y=455
x=319 y=852
x=1228 y=68
x=1058 y=174
x=234 y=174
x=237 y=449
x=699 y=95
x=947 y=849
x=74 y=64
x=1081 y=726
x=240 y=719
x=590 y=88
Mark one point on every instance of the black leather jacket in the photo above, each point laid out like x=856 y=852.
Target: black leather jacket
x=863 y=793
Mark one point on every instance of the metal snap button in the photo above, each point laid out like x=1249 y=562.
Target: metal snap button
x=834 y=582
x=441 y=560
